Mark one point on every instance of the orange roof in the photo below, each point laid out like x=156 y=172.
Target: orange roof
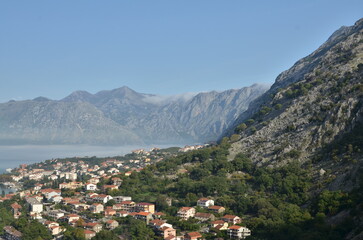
x=91 y=224
x=229 y=216
x=218 y=222
x=215 y=207
x=194 y=234
x=234 y=227
x=185 y=209
x=143 y=213
x=88 y=232
x=16 y=206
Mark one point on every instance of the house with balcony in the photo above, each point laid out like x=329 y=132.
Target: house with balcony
x=186 y=212
x=238 y=232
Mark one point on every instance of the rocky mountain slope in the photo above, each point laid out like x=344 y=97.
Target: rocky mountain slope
x=310 y=105
x=123 y=116
x=313 y=116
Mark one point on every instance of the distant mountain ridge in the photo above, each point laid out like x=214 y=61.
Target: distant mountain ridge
x=123 y=116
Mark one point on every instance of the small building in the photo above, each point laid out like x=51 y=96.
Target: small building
x=144 y=216
x=167 y=232
x=219 y=225
x=109 y=211
x=119 y=199
x=90 y=187
x=193 y=236
x=16 y=210
x=122 y=214
x=238 y=232
x=11 y=233
x=88 y=234
x=116 y=181
x=72 y=217
x=186 y=212
x=34 y=205
x=55 y=214
x=128 y=206
x=111 y=224
x=231 y=219
x=205 y=202
x=145 y=207
x=102 y=198
x=216 y=209
x=97 y=208
x=93 y=226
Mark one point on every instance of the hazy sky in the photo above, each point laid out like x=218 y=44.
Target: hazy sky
x=51 y=48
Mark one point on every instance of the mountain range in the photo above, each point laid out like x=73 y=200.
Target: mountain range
x=123 y=117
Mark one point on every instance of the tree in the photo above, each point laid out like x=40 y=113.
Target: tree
x=104 y=234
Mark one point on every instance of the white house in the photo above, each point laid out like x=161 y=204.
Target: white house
x=102 y=198
x=205 y=202
x=238 y=232
x=91 y=187
x=55 y=214
x=34 y=205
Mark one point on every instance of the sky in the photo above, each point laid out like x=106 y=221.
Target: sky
x=52 y=48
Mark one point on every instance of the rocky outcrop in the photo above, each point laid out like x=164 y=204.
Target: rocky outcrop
x=309 y=106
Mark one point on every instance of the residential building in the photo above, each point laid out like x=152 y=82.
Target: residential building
x=186 y=212
x=216 y=209
x=144 y=216
x=50 y=193
x=238 y=232
x=88 y=234
x=72 y=218
x=119 y=199
x=128 y=206
x=193 y=236
x=16 y=210
x=93 y=226
x=91 y=187
x=145 y=207
x=219 y=225
x=167 y=232
x=122 y=214
x=231 y=219
x=109 y=211
x=102 y=198
x=34 y=205
x=111 y=224
x=11 y=233
x=97 y=208
x=55 y=214
x=205 y=202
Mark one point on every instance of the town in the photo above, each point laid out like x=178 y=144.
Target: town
x=85 y=194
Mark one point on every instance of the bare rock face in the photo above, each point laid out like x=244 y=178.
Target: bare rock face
x=123 y=117
x=309 y=106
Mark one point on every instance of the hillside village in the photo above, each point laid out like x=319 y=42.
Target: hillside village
x=62 y=193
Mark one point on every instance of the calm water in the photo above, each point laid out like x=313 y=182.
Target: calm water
x=6 y=190
x=12 y=156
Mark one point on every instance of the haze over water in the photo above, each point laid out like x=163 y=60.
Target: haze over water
x=12 y=156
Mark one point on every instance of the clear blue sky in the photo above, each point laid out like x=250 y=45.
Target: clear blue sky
x=52 y=48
